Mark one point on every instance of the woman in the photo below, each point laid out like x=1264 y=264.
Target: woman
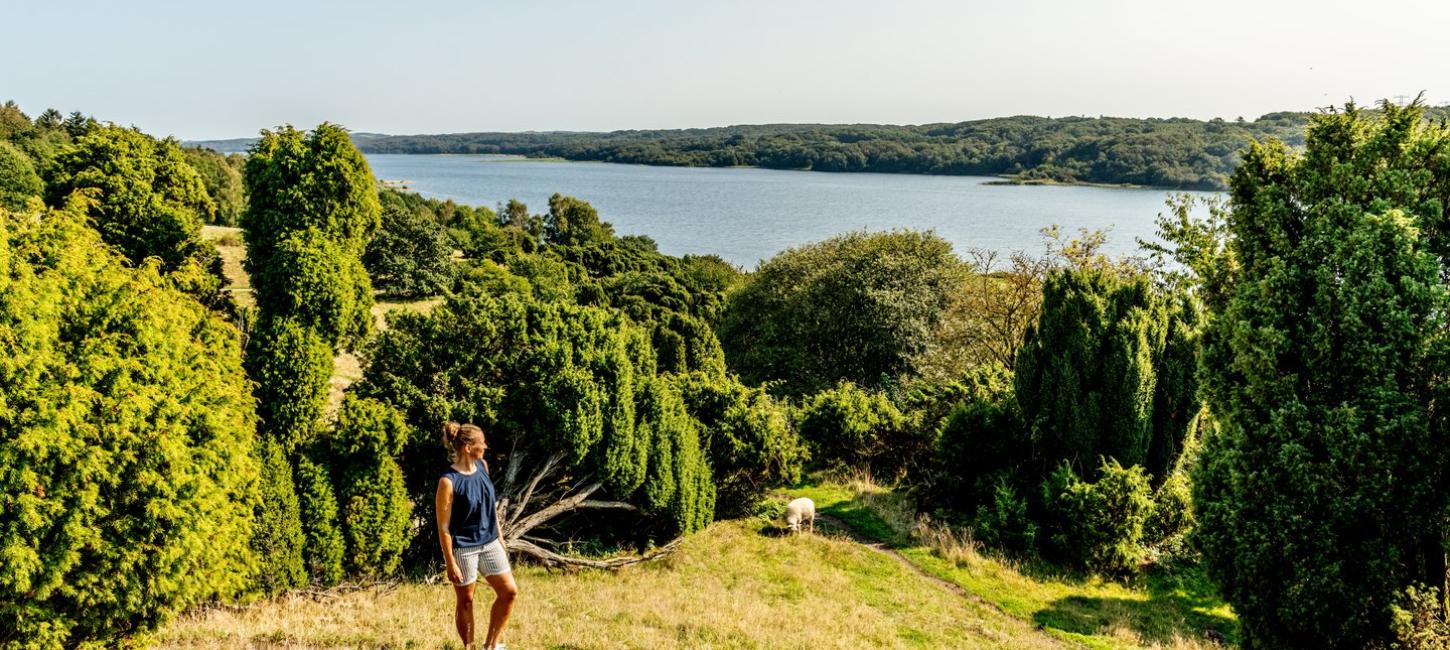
x=468 y=533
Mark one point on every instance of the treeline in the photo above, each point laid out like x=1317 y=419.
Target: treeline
x=1175 y=153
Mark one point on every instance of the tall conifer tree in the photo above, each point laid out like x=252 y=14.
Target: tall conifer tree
x=1321 y=495
x=312 y=208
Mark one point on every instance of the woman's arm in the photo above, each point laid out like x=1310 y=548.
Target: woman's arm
x=443 y=506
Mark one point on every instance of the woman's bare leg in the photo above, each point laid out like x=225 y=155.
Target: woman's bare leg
x=503 y=585
x=463 y=614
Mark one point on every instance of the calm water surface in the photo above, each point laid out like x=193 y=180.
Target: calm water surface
x=748 y=215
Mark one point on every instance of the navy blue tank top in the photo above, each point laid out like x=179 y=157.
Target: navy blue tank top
x=474 y=521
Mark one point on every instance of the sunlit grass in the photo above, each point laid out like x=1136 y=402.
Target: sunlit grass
x=739 y=584
x=1168 y=608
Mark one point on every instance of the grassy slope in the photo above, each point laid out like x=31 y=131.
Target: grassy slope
x=1164 y=609
x=738 y=584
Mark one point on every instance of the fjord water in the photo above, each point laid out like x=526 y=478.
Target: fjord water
x=748 y=215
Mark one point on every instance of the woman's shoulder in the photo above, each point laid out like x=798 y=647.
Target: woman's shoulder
x=450 y=472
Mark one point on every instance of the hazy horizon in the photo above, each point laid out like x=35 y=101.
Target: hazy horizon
x=203 y=72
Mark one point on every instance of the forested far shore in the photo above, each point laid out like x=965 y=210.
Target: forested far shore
x=1179 y=153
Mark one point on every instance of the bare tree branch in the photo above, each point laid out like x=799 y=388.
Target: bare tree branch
x=549 y=466
x=555 y=509
x=551 y=558
x=616 y=505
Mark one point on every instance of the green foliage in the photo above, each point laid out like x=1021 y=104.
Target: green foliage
x=983 y=443
x=1175 y=388
x=316 y=181
x=1175 y=152
x=128 y=471
x=1417 y=620
x=860 y=307
x=854 y=427
x=291 y=366
x=316 y=283
x=412 y=256
x=572 y=222
x=146 y=200
x=13 y=121
x=1321 y=494
x=375 y=513
x=18 y=179
x=222 y=177
x=317 y=510
x=1172 y=518
x=544 y=379
x=748 y=438
x=482 y=234
x=1098 y=525
x=311 y=209
x=1003 y=522
x=677 y=480
x=277 y=536
x=1085 y=377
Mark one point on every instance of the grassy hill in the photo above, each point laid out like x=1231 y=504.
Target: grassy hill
x=860 y=582
x=738 y=584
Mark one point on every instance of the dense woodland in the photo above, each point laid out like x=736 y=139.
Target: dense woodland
x=1174 y=153
x=1255 y=398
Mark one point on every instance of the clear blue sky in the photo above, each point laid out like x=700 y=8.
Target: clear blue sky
x=203 y=69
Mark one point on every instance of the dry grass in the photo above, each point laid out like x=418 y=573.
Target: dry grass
x=383 y=308
x=228 y=242
x=739 y=584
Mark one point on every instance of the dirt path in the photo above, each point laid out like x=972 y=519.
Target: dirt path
x=840 y=526
x=881 y=547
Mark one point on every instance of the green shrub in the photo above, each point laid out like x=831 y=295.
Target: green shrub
x=1321 y=493
x=860 y=307
x=849 y=426
x=18 y=180
x=291 y=365
x=1171 y=520
x=412 y=255
x=128 y=471
x=375 y=511
x=222 y=177
x=278 y=537
x=143 y=196
x=311 y=208
x=1004 y=522
x=1084 y=376
x=1418 y=621
x=981 y=442
x=317 y=509
x=748 y=437
x=1098 y=526
x=565 y=388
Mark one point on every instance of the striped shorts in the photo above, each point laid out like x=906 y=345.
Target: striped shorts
x=490 y=557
